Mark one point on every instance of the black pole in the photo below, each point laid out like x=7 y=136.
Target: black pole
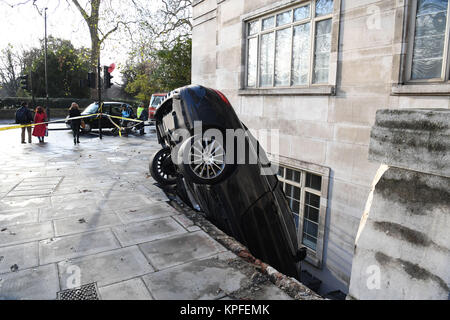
x=100 y=106
x=47 y=108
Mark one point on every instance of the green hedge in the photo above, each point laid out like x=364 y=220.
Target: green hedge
x=54 y=103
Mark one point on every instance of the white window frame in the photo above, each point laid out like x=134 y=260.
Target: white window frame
x=314 y=257
x=313 y=20
x=411 y=25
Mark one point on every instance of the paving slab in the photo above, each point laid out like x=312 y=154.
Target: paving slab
x=25 y=233
x=56 y=213
x=147 y=231
x=199 y=280
x=133 y=289
x=22 y=256
x=180 y=249
x=106 y=268
x=69 y=247
x=146 y=212
x=39 y=283
x=85 y=222
x=14 y=217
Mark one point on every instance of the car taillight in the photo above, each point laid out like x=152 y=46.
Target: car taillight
x=222 y=96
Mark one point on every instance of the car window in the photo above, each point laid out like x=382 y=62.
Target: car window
x=156 y=100
x=106 y=108
x=92 y=108
x=116 y=110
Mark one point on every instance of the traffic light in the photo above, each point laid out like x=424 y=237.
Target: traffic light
x=24 y=83
x=107 y=77
x=89 y=82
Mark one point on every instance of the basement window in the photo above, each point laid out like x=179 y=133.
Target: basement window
x=303 y=191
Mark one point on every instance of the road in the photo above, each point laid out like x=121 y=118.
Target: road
x=91 y=214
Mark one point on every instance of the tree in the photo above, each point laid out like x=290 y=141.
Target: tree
x=172 y=21
x=166 y=69
x=66 y=67
x=10 y=70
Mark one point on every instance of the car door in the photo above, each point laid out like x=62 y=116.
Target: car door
x=106 y=123
x=116 y=111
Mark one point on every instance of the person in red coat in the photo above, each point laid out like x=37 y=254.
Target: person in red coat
x=40 y=130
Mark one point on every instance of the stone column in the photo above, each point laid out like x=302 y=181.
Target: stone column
x=402 y=247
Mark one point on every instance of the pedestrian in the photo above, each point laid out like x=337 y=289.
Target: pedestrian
x=142 y=114
x=74 y=111
x=40 y=130
x=126 y=113
x=24 y=117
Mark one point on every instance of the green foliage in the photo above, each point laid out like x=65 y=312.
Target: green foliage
x=54 y=103
x=161 y=70
x=66 y=66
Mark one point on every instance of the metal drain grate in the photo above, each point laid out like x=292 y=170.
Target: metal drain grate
x=86 y=292
x=36 y=187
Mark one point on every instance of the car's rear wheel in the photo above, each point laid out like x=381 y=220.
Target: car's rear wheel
x=162 y=168
x=202 y=160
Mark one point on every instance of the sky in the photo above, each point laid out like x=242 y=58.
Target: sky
x=22 y=26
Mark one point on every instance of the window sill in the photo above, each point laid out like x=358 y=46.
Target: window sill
x=311 y=91
x=442 y=89
x=312 y=259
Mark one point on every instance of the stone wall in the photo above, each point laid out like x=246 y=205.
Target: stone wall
x=403 y=246
x=329 y=127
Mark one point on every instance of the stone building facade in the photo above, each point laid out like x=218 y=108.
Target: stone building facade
x=317 y=71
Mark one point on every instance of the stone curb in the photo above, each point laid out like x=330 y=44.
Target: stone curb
x=289 y=285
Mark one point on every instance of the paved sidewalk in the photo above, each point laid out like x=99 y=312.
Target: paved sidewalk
x=74 y=215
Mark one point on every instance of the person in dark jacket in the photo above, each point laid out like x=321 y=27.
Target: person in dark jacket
x=24 y=117
x=74 y=111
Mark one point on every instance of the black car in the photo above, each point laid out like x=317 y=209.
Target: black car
x=234 y=194
x=109 y=108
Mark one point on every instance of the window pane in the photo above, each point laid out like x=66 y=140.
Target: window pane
x=281 y=171
x=301 y=54
x=312 y=200
x=284 y=18
x=324 y=7
x=293 y=175
x=253 y=28
x=310 y=242
x=310 y=228
x=313 y=181
x=302 y=13
x=282 y=61
x=292 y=192
x=296 y=220
x=429 y=39
x=268 y=23
x=267 y=57
x=252 y=62
x=322 y=51
x=312 y=214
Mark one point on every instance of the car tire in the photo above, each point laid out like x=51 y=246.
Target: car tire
x=162 y=168
x=210 y=168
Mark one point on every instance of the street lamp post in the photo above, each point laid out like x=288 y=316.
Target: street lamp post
x=47 y=108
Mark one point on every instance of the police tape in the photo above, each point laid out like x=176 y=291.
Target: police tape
x=98 y=115
x=45 y=123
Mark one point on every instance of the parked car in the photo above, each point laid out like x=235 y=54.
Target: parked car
x=236 y=197
x=111 y=108
x=155 y=100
